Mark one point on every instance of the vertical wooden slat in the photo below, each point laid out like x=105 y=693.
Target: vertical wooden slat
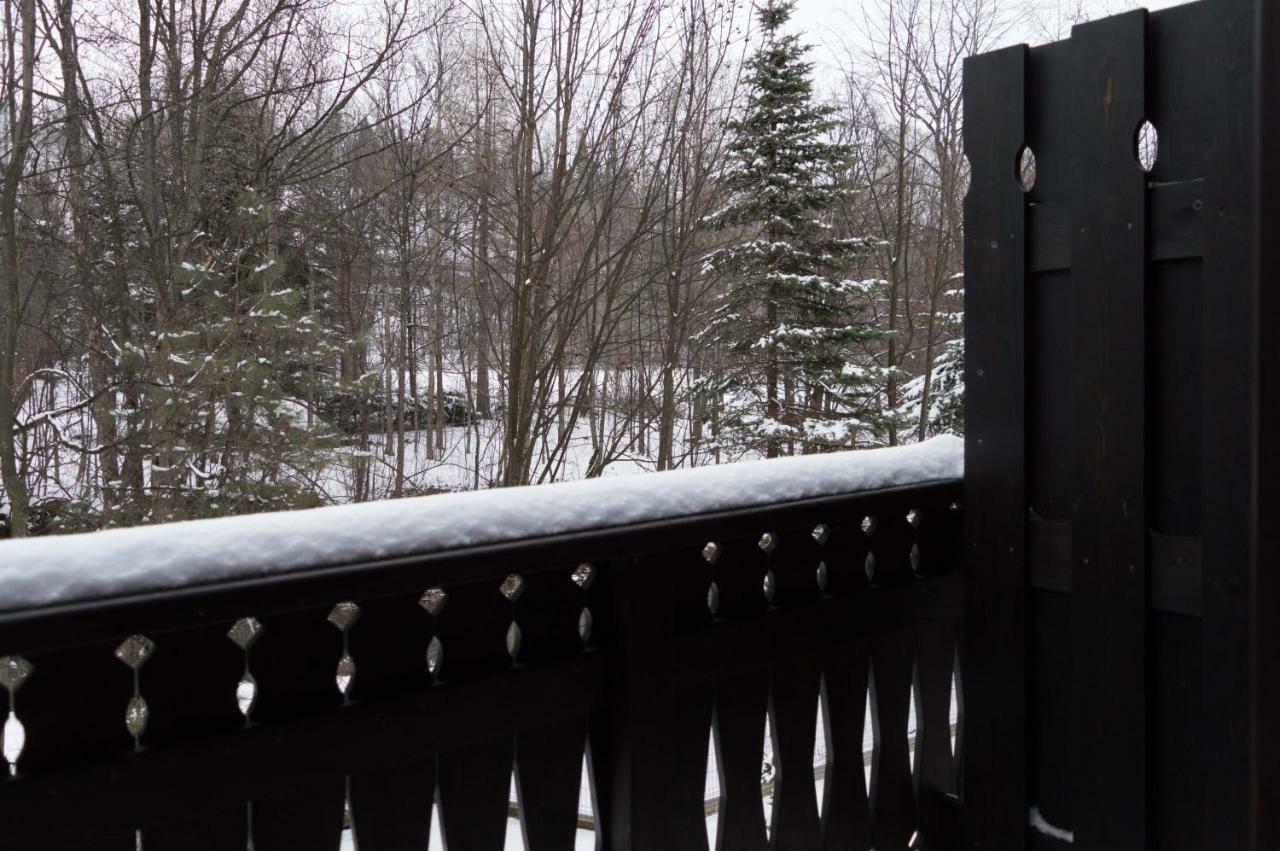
x=389 y=646
x=474 y=783
x=225 y=831
x=935 y=770
x=294 y=663
x=995 y=491
x=1109 y=533
x=391 y=806
x=548 y=779
x=190 y=687
x=741 y=709
x=793 y=714
x=649 y=745
x=846 y=822
x=893 y=808
x=308 y=816
x=73 y=711
x=1264 y=654
x=1229 y=324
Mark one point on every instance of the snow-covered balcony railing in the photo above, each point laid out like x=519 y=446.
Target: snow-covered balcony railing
x=368 y=670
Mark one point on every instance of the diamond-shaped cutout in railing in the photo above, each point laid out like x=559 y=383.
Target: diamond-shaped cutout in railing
x=135 y=650
x=821 y=533
x=13 y=738
x=346 y=673
x=512 y=587
x=913 y=517
x=14 y=671
x=768 y=542
x=245 y=632
x=869 y=525
x=246 y=694
x=344 y=615
x=711 y=552
x=514 y=638
x=433 y=600
x=435 y=655
x=583 y=575
x=136 y=715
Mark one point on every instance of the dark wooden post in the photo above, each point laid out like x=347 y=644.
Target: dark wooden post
x=1235 y=485
x=1109 y=566
x=994 y=770
x=1265 y=653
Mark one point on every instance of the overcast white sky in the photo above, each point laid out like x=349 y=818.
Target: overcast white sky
x=829 y=23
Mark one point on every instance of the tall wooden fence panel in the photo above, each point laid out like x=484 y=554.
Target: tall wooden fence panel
x=1112 y=352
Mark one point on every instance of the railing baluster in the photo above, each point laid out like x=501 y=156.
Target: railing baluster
x=474 y=782
x=893 y=809
x=548 y=779
x=391 y=806
x=847 y=814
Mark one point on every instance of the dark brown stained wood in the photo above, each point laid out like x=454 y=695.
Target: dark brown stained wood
x=748 y=647
x=845 y=554
x=891 y=540
x=995 y=493
x=266 y=759
x=474 y=784
x=740 y=717
x=1049 y=553
x=1109 y=564
x=1174 y=562
x=548 y=613
x=649 y=742
x=935 y=770
x=846 y=813
x=740 y=571
x=73 y=707
x=391 y=806
x=294 y=662
x=473 y=628
x=1050 y=712
x=893 y=806
x=1230 y=522
x=937 y=530
x=1177 y=787
x=1176 y=222
x=1264 y=652
x=1176 y=581
x=389 y=646
x=793 y=713
x=795 y=567
x=310 y=816
x=225 y=831
x=548 y=779
x=189 y=684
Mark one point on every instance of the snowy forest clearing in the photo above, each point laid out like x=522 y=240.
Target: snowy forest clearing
x=265 y=313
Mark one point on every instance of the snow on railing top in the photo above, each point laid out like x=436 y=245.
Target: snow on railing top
x=47 y=571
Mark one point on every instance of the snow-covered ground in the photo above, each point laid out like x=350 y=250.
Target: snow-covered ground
x=59 y=569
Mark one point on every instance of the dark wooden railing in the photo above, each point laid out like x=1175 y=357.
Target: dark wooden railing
x=280 y=709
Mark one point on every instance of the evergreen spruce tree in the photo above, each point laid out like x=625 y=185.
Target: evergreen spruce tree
x=944 y=398
x=254 y=350
x=789 y=318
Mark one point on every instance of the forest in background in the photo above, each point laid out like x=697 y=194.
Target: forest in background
x=269 y=254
